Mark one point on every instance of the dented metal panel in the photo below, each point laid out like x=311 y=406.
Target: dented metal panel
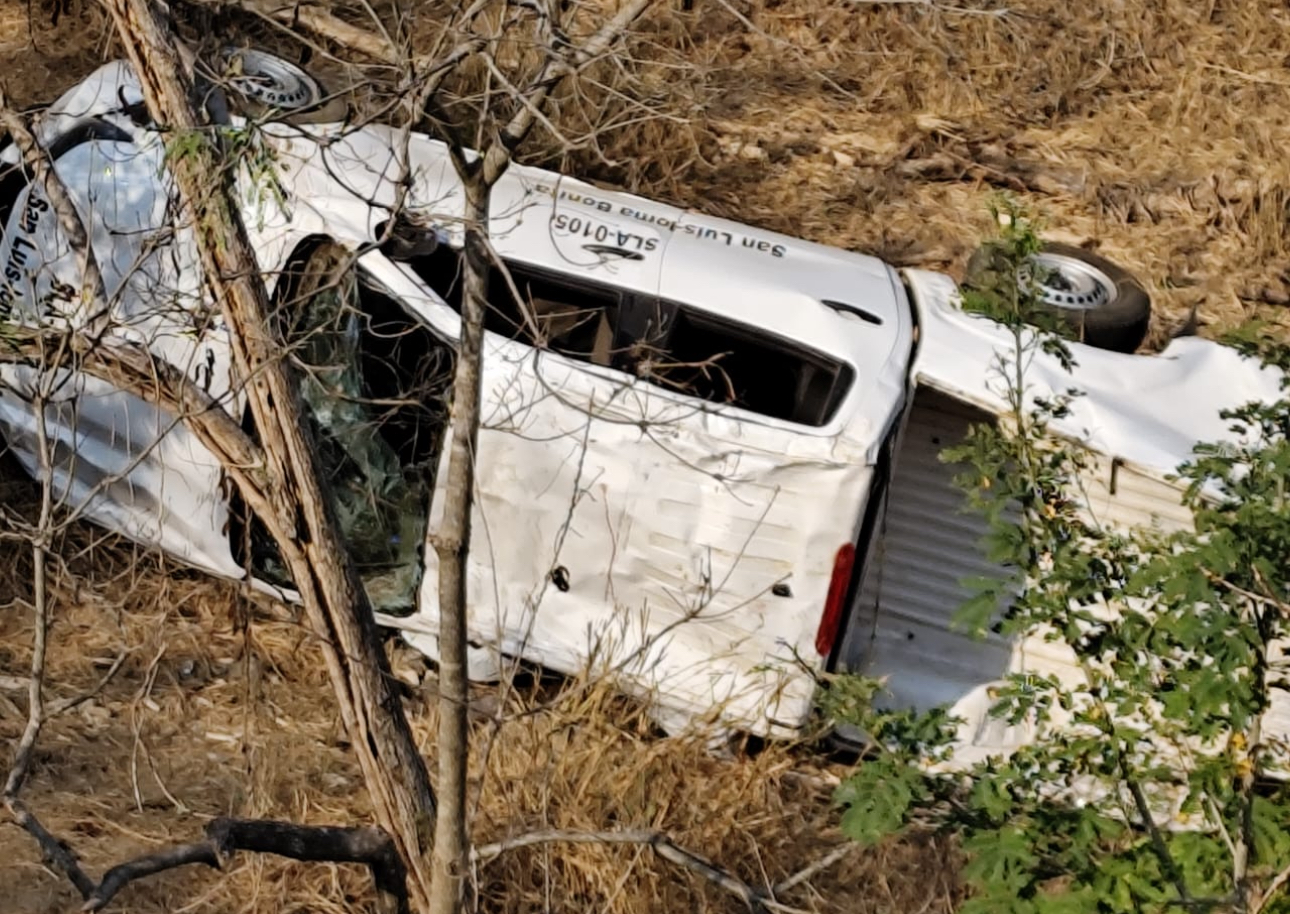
x=616 y=524
x=125 y=465
x=903 y=628
x=685 y=545
x=1147 y=410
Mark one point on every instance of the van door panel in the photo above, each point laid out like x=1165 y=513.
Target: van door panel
x=620 y=525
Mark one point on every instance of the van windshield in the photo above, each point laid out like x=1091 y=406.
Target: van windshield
x=375 y=385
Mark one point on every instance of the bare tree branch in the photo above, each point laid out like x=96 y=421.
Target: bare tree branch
x=302 y=519
x=67 y=704
x=121 y=875
x=452 y=541
x=807 y=872
x=54 y=850
x=557 y=67
x=21 y=684
x=91 y=278
x=57 y=853
x=224 y=837
x=318 y=20
x=1278 y=882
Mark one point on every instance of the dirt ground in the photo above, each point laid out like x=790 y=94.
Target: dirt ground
x=1154 y=130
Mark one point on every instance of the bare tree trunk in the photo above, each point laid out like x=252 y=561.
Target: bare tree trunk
x=302 y=521
x=452 y=544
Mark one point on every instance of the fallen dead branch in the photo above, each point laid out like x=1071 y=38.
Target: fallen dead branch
x=758 y=901
x=302 y=523
x=838 y=853
x=393 y=768
x=993 y=165
x=319 y=21
x=21 y=684
x=370 y=846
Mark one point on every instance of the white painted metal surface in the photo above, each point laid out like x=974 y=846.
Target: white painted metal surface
x=671 y=518
x=904 y=628
x=670 y=533
x=1148 y=411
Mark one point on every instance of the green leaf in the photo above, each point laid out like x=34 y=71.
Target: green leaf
x=978 y=611
x=991 y=796
x=877 y=797
x=1181 y=659
x=1002 y=858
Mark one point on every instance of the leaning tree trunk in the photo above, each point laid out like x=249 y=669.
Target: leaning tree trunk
x=301 y=519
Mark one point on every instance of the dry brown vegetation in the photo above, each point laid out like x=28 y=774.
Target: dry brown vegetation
x=1157 y=130
x=209 y=716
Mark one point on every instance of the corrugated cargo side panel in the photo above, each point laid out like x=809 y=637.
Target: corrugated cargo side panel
x=926 y=544
x=1124 y=497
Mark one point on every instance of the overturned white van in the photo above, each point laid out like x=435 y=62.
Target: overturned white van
x=709 y=458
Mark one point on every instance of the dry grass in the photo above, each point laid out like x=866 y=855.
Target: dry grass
x=1156 y=129
x=209 y=717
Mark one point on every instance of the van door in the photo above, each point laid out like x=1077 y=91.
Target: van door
x=618 y=525
x=620 y=522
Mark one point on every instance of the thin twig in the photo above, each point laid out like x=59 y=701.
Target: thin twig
x=317 y=19
x=62 y=706
x=54 y=850
x=67 y=704
x=1166 y=859
x=1277 y=883
x=806 y=872
x=498 y=155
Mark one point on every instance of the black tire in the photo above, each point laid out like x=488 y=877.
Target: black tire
x=269 y=87
x=1101 y=303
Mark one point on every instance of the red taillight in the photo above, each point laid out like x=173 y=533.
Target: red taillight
x=843 y=562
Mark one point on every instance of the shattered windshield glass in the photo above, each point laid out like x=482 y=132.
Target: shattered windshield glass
x=374 y=382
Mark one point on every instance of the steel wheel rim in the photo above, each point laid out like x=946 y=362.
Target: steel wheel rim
x=1070 y=283
x=272 y=81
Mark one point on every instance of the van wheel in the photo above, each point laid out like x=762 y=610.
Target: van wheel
x=265 y=86
x=1101 y=303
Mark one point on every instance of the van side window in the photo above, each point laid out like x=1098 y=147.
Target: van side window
x=673 y=346
x=724 y=362
x=572 y=319
x=374 y=381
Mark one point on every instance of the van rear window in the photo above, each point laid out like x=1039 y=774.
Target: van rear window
x=670 y=345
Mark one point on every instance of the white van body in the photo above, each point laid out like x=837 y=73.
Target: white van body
x=687 y=546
